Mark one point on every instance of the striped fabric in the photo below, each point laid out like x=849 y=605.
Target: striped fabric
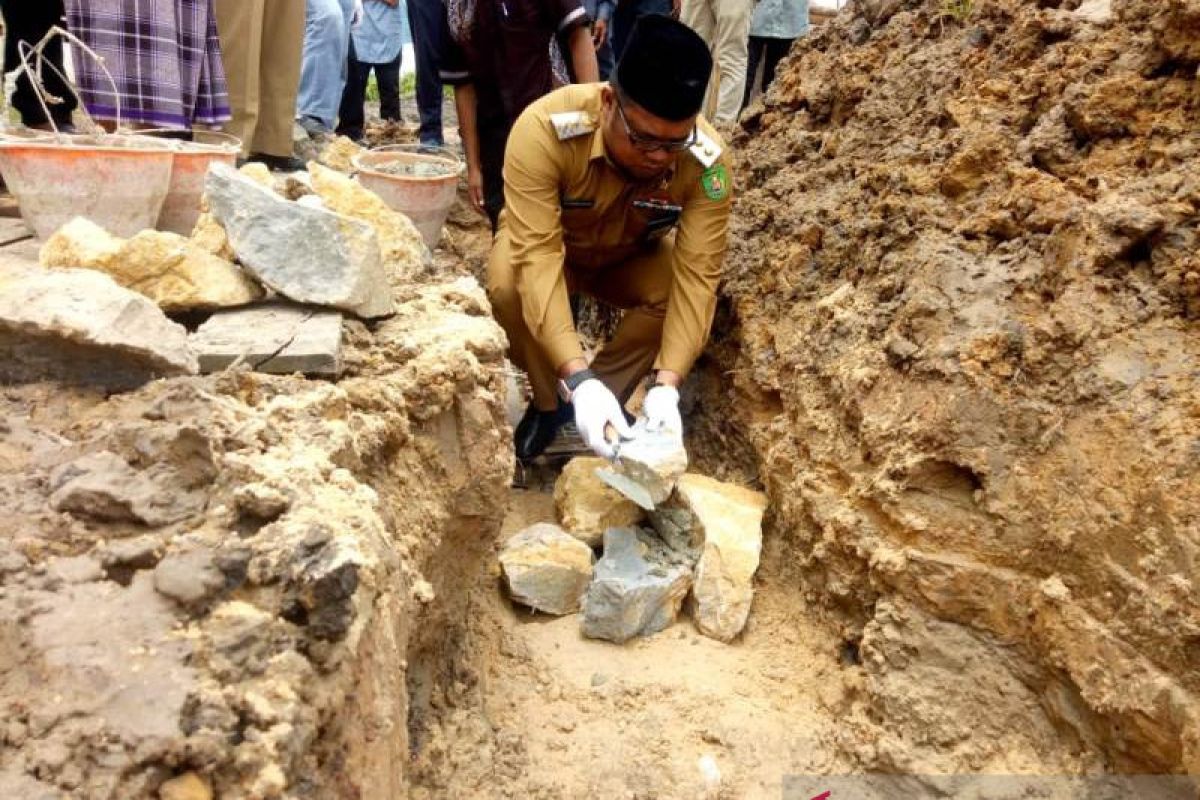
x=163 y=54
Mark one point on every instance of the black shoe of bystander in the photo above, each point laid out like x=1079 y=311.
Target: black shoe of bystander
x=276 y=163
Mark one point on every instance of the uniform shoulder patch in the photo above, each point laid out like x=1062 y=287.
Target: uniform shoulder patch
x=715 y=182
x=570 y=124
x=706 y=150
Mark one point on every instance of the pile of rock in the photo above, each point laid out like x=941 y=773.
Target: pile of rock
x=314 y=245
x=701 y=542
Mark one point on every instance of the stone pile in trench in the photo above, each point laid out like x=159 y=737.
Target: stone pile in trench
x=701 y=542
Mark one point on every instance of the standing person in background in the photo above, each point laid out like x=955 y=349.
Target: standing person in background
x=26 y=21
x=601 y=12
x=776 y=24
x=627 y=14
x=725 y=27
x=498 y=58
x=164 y=56
x=376 y=44
x=426 y=21
x=261 y=44
x=323 y=68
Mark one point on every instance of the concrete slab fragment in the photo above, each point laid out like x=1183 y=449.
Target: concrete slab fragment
x=277 y=337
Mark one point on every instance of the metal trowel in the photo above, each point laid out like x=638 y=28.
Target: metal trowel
x=627 y=486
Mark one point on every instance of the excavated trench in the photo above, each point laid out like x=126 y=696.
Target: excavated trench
x=957 y=349
x=534 y=709
x=282 y=587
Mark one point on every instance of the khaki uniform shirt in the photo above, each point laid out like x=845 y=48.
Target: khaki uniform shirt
x=566 y=204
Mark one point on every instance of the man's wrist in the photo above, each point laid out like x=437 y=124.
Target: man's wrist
x=569 y=368
x=665 y=377
x=568 y=385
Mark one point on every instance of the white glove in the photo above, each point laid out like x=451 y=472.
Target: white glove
x=595 y=406
x=356 y=18
x=661 y=408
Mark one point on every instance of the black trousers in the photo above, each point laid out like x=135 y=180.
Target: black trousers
x=28 y=20
x=425 y=22
x=770 y=52
x=351 y=114
x=627 y=14
x=493 y=138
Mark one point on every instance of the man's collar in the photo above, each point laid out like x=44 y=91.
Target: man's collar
x=598 y=149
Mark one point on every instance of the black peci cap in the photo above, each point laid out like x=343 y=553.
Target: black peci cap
x=665 y=68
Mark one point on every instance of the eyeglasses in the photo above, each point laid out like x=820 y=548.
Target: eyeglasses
x=648 y=144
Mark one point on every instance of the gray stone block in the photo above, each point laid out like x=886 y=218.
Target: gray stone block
x=104 y=486
x=278 y=338
x=309 y=255
x=635 y=590
x=189 y=576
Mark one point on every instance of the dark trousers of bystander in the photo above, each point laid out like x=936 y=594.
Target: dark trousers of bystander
x=28 y=21
x=352 y=114
x=628 y=12
x=425 y=22
x=493 y=138
x=770 y=52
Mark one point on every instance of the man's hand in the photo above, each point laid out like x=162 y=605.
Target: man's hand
x=599 y=33
x=475 y=187
x=661 y=408
x=595 y=407
x=676 y=8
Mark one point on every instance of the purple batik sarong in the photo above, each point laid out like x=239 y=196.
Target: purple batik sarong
x=163 y=54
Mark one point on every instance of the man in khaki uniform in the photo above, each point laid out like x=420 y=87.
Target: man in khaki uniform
x=620 y=191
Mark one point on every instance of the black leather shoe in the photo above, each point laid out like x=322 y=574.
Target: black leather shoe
x=279 y=163
x=536 y=430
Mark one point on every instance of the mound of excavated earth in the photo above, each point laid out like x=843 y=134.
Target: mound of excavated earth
x=243 y=585
x=963 y=327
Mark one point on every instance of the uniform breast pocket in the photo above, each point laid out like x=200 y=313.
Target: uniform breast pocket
x=658 y=227
x=579 y=220
x=654 y=218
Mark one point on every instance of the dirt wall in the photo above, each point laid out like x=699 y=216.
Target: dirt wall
x=961 y=330
x=246 y=577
